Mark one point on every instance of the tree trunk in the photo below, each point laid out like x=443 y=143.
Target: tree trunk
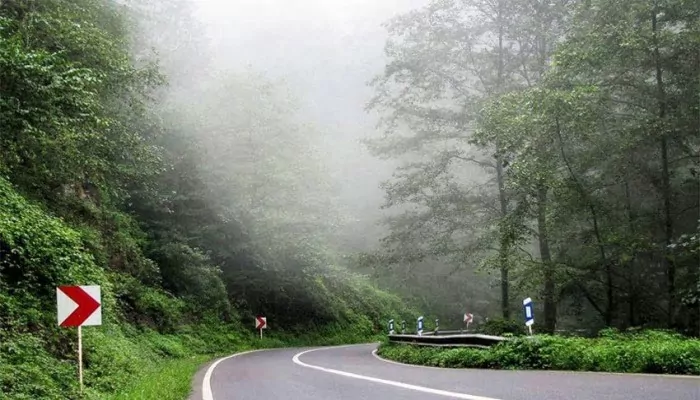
x=550 y=305
x=610 y=293
x=665 y=176
x=503 y=247
x=631 y=274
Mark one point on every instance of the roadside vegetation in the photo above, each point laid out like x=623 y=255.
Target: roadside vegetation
x=564 y=161
x=193 y=218
x=656 y=352
x=547 y=150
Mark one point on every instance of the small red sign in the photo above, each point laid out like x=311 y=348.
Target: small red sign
x=260 y=322
x=468 y=318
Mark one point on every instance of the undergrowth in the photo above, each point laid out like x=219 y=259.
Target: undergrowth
x=144 y=328
x=656 y=352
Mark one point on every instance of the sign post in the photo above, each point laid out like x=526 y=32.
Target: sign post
x=403 y=327
x=260 y=324
x=468 y=318
x=78 y=306
x=529 y=314
x=419 y=327
x=80 y=357
x=391 y=326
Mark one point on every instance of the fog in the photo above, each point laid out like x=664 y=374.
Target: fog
x=326 y=52
x=275 y=95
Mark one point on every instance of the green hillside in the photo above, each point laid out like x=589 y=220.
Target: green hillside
x=105 y=180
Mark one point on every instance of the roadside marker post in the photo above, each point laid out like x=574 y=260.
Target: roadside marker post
x=260 y=324
x=437 y=326
x=529 y=314
x=78 y=306
x=403 y=327
x=420 y=326
x=391 y=326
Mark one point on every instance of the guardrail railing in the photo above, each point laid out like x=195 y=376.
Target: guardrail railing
x=443 y=339
x=442 y=333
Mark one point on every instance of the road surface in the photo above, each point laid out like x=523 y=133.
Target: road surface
x=353 y=373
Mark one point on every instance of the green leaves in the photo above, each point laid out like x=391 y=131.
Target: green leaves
x=585 y=107
x=70 y=98
x=644 y=352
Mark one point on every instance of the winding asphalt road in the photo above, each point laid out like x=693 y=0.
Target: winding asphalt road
x=353 y=372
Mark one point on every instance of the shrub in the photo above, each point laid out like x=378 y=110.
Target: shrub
x=644 y=352
x=501 y=327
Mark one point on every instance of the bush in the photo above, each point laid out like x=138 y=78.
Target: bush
x=644 y=352
x=501 y=327
x=28 y=371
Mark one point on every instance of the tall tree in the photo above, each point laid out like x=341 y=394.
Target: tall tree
x=642 y=55
x=446 y=59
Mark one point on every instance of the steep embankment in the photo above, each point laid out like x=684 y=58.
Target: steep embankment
x=101 y=184
x=142 y=325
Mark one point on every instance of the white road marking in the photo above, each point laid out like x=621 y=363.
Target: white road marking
x=417 y=388
x=206 y=382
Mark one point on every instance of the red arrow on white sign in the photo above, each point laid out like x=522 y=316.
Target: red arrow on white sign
x=78 y=306
x=260 y=322
x=468 y=318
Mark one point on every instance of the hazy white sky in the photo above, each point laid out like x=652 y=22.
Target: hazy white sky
x=326 y=50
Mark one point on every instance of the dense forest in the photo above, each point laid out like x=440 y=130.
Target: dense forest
x=547 y=149
x=551 y=146
x=194 y=197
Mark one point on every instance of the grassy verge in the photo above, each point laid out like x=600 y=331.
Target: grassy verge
x=645 y=352
x=150 y=342
x=170 y=381
x=122 y=362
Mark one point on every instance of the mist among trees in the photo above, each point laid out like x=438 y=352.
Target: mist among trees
x=544 y=149
x=584 y=119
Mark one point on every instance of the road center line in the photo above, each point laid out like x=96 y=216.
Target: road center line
x=417 y=388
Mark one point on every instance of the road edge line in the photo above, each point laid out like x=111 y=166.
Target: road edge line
x=207 y=393
x=402 y=385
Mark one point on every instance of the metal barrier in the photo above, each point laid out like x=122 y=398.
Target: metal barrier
x=449 y=340
x=442 y=333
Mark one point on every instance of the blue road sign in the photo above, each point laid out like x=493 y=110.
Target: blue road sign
x=529 y=312
x=420 y=325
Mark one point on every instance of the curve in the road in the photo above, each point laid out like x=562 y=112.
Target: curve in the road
x=352 y=373
x=402 y=385
x=207 y=393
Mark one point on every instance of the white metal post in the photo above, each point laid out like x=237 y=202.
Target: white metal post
x=80 y=357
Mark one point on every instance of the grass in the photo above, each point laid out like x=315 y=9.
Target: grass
x=642 y=352
x=171 y=381
x=171 y=378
